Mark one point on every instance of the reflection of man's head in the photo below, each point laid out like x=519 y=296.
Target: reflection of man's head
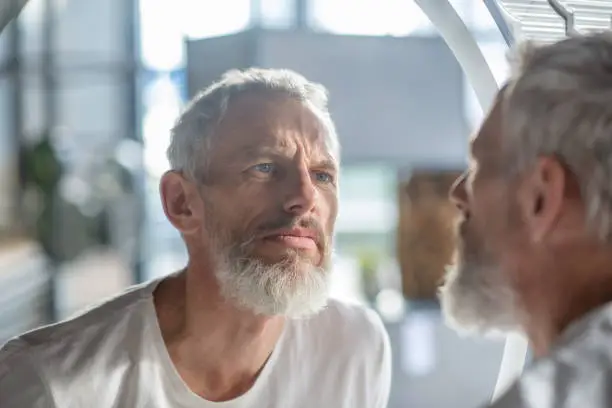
x=261 y=150
x=536 y=202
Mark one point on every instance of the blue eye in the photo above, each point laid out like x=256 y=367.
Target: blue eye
x=323 y=177
x=264 y=167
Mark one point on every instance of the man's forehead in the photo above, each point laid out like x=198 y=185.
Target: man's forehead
x=255 y=123
x=489 y=134
x=266 y=106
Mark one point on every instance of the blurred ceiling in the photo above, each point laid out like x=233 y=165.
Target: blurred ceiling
x=538 y=19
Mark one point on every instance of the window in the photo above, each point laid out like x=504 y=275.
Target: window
x=368 y=201
x=201 y=18
x=276 y=13
x=161 y=35
x=368 y=17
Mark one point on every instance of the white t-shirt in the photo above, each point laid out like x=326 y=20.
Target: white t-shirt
x=113 y=356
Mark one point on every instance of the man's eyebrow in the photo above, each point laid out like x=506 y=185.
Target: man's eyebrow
x=252 y=151
x=327 y=164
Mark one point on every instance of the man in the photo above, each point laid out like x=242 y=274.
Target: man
x=535 y=250
x=253 y=191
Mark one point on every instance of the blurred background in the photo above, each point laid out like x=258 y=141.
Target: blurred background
x=90 y=88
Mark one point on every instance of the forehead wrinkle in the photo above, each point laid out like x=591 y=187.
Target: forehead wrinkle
x=288 y=127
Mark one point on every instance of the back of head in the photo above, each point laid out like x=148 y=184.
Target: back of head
x=558 y=102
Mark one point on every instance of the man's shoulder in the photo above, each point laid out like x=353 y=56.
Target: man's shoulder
x=345 y=344
x=351 y=316
x=564 y=380
x=355 y=326
x=576 y=373
x=78 y=334
x=41 y=364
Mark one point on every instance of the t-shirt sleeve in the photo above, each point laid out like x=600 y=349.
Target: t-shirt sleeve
x=21 y=386
x=382 y=363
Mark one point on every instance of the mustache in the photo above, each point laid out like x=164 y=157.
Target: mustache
x=288 y=222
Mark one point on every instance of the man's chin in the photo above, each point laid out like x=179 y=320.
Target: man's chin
x=470 y=308
x=293 y=291
x=468 y=322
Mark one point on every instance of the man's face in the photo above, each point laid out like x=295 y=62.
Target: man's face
x=270 y=204
x=477 y=294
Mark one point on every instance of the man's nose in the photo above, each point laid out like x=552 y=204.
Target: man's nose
x=301 y=193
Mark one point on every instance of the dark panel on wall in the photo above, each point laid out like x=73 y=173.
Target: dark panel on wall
x=425 y=234
x=393 y=99
x=208 y=59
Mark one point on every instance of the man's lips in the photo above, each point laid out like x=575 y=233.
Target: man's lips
x=299 y=238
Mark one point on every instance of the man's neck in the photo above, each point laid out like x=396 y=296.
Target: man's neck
x=551 y=310
x=217 y=348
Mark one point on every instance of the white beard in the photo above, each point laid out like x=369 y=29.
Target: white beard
x=293 y=288
x=475 y=299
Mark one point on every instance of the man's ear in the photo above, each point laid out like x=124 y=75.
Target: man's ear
x=181 y=202
x=542 y=196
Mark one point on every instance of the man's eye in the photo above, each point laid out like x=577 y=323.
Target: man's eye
x=264 y=167
x=323 y=177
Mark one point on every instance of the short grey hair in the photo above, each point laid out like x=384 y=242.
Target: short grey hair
x=193 y=132
x=558 y=102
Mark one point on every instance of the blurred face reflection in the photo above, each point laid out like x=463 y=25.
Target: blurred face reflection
x=270 y=204
x=477 y=293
